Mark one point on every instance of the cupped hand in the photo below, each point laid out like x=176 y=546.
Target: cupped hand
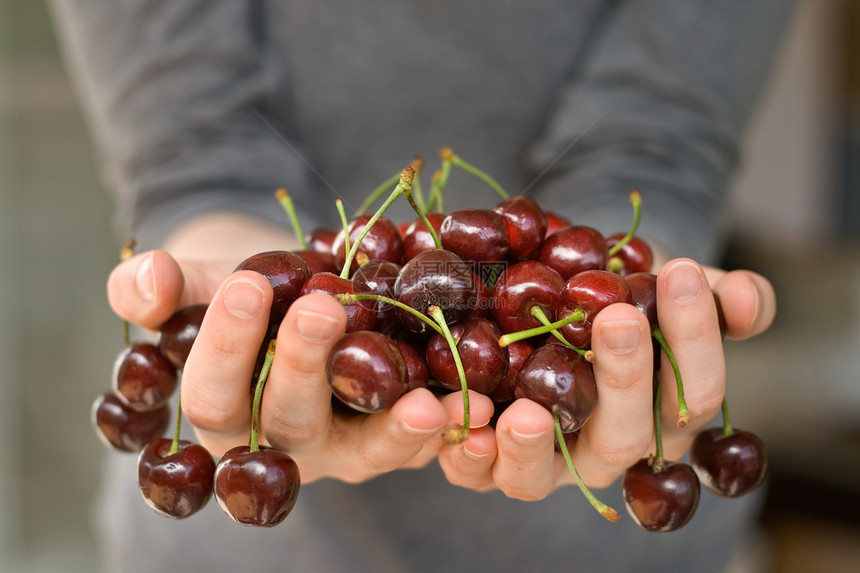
x=518 y=456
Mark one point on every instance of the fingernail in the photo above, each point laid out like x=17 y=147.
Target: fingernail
x=145 y=279
x=243 y=298
x=621 y=336
x=684 y=282
x=529 y=439
x=316 y=327
x=472 y=455
x=413 y=431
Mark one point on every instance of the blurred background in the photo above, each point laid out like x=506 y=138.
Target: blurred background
x=797 y=220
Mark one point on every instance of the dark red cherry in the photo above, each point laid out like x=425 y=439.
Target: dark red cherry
x=366 y=371
x=256 y=488
x=554 y=222
x=729 y=466
x=591 y=291
x=416 y=237
x=143 y=377
x=124 y=429
x=517 y=353
x=476 y=235
x=521 y=287
x=320 y=240
x=179 y=332
x=286 y=272
x=417 y=373
x=526 y=224
x=560 y=380
x=634 y=257
x=179 y=484
x=573 y=249
x=643 y=291
x=436 y=277
x=382 y=242
x=485 y=363
x=318 y=261
x=359 y=316
x=660 y=499
x=378 y=277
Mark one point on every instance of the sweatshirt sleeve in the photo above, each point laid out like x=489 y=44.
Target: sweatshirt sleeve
x=182 y=108
x=659 y=103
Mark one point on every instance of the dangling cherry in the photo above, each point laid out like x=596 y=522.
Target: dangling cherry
x=144 y=379
x=660 y=498
x=176 y=483
x=177 y=335
x=125 y=429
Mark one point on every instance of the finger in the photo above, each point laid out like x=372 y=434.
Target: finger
x=217 y=376
x=687 y=316
x=470 y=464
x=296 y=410
x=620 y=429
x=748 y=302
x=481 y=409
x=525 y=468
x=148 y=288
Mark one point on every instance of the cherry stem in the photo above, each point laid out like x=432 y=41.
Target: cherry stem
x=254 y=442
x=352 y=298
x=440 y=180
x=418 y=165
x=286 y=202
x=454 y=436
x=578 y=315
x=727 y=425
x=448 y=155
x=683 y=411
x=174 y=445
x=404 y=183
x=657 y=462
x=636 y=202
x=345 y=224
x=125 y=253
x=377 y=193
x=601 y=507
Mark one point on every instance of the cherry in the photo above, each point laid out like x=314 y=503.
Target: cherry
x=634 y=256
x=517 y=354
x=475 y=235
x=179 y=332
x=660 y=497
x=366 y=371
x=125 y=429
x=175 y=483
x=360 y=315
x=321 y=239
x=526 y=224
x=381 y=243
x=416 y=237
x=729 y=464
x=256 y=488
x=417 y=373
x=485 y=363
x=378 y=277
x=554 y=222
x=317 y=261
x=436 y=277
x=590 y=291
x=144 y=379
x=286 y=272
x=643 y=293
x=574 y=249
x=561 y=381
x=520 y=288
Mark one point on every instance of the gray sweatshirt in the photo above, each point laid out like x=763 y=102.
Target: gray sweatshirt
x=211 y=105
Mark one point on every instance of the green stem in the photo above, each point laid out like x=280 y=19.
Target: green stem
x=405 y=183
x=377 y=193
x=727 y=425
x=456 y=436
x=345 y=224
x=657 y=462
x=469 y=168
x=423 y=216
x=254 y=442
x=352 y=298
x=174 y=445
x=440 y=180
x=290 y=209
x=601 y=507
x=636 y=202
x=683 y=411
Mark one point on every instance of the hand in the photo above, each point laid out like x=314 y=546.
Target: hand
x=518 y=456
x=296 y=414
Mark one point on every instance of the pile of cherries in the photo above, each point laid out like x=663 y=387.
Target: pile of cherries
x=499 y=301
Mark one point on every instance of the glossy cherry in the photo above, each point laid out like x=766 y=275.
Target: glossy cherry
x=416 y=237
x=526 y=224
x=321 y=240
x=378 y=277
x=477 y=235
x=381 y=243
x=660 y=498
x=634 y=256
x=286 y=272
x=360 y=315
x=366 y=371
x=517 y=354
x=177 y=335
x=417 y=373
x=125 y=429
x=554 y=222
x=175 y=484
x=485 y=363
x=591 y=291
x=520 y=287
x=144 y=379
x=574 y=249
x=256 y=488
x=729 y=465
